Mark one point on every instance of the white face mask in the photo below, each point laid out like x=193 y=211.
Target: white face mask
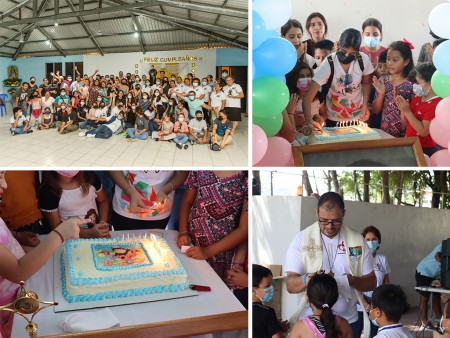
x=156 y=94
x=63 y=93
x=158 y=82
x=195 y=84
x=69 y=79
x=129 y=96
x=181 y=119
x=99 y=99
x=63 y=107
x=145 y=97
x=204 y=83
x=191 y=97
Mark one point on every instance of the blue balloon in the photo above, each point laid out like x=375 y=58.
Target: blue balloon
x=275 y=57
x=260 y=33
x=441 y=57
x=274 y=13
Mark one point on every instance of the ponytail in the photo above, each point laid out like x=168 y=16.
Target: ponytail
x=328 y=320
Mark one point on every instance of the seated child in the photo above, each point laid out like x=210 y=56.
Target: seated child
x=19 y=123
x=198 y=129
x=322 y=49
x=220 y=135
x=265 y=322
x=181 y=129
x=140 y=130
x=322 y=293
x=166 y=132
x=388 y=306
x=47 y=120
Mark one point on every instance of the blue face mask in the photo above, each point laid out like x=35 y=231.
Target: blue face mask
x=372 y=41
x=418 y=90
x=373 y=320
x=373 y=245
x=268 y=294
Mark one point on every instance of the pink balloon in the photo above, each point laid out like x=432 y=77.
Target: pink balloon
x=278 y=154
x=443 y=111
x=427 y=159
x=260 y=143
x=439 y=134
x=440 y=158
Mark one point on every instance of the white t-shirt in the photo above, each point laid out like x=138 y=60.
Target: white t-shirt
x=114 y=126
x=342 y=105
x=207 y=90
x=232 y=90
x=310 y=60
x=20 y=122
x=187 y=89
x=198 y=91
x=216 y=99
x=393 y=331
x=101 y=113
x=155 y=86
x=333 y=256
x=148 y=183
x=48 y=103
x=74 y=204
x=160 y=102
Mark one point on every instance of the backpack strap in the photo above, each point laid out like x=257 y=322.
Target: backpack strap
x=360 y=61
x=326 y=86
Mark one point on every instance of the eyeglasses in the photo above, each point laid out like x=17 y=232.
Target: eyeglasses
x=335 y=223
x=348 y=79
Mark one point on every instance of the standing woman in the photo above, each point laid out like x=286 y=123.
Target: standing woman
x=372 y=32
x=317 y=28
x=234 y=94
x=348 y=96
x=381 y=268
x=292 y=31
x=217 y=99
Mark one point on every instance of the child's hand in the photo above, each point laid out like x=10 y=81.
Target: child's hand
x=101 y=230
x=70 y=229
x=237 y=278
x=198 y=252
x=165 y=202
x=137 y=204
x=292 y=104
x=379 y=86
x=27 y=238
x=284 y=325
x=183 y=239
x=401 y=103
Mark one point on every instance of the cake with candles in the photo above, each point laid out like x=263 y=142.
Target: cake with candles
x=343 y=132
x=104 y=268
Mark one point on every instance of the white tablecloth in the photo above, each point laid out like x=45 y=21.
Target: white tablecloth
x=219 y=300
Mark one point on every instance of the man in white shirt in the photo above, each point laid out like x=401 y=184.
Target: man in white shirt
x=331 y=248
x=234 y=94
x=19 y=123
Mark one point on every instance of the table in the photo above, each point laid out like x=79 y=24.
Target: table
x=209 y=312
x=432 y=289
x=383 y=134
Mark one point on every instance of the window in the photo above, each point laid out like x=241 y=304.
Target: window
x=52 y=68
x=70 y=69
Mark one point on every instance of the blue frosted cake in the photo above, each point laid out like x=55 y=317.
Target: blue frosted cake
x=96 y=269
x=341 y=134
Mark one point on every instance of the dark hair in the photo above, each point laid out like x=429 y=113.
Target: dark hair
x=332 y=198
x=292 y=76
x=85 y=179
x=196 y=79
x=221 y=82
x=16 y=109
x=25 y=83
x=372 y=22
x=199 y=112
x=191 y=91
x=324 y=44
x=316 y=15
x=322 y=290
x=350 y=38
x=437 y=42
x=391 y=300
x=373 y=230
x=289 y=24
x=383 y=56
x=434 y=35
x=406 y=53
x=160 y=111
x=259 y=272
x=425 y=71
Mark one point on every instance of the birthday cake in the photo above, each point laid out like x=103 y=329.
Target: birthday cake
x=104 y=268
x=344 y=132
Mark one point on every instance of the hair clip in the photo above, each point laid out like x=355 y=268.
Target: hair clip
x=410 y=45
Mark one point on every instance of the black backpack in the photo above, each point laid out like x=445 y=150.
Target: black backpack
x=326 y=86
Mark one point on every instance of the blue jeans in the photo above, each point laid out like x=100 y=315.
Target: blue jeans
x=88 y=124
x=101 y=131
x=180 y=139
x=142 y=136
x=18 y=130
x=153 y=126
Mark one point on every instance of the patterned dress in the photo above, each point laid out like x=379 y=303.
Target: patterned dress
x=216 y=212
x=390 y=115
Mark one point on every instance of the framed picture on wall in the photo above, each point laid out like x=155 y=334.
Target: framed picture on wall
x=393 y=152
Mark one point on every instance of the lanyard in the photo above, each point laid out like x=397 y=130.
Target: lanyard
x=389 y=327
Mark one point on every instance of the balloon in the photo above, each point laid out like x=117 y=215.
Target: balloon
x=260 y=142
x=440 y=158
x=438 y=20
x=275 y=57
x=269 y=97
x=271 y=125
x=439 y=133
x=260 y=33
x=274 y=13
x=441 y=84
x=443 y=111
x=427 y=159
x=278 y=154
x=253 y=71
x=441 y=58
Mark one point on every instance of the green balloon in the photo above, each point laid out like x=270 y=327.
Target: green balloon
x=271 y=125
x=441 y=84
x=270 y=96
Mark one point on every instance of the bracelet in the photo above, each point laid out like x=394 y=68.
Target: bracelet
x=129 y=187
x=59 y=234
x=304 y=278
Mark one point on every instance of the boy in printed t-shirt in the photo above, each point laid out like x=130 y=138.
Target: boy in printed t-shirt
x=198 y=129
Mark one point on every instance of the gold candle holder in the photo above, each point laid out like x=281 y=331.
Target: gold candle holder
x=27 y=302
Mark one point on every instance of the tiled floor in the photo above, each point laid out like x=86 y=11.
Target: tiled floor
x=48 y=148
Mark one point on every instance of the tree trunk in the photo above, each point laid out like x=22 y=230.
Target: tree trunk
x=399 y=187
x=437 y=189
x=306 y=183
x=355 y=182
x=366 y=197
x=335 y=182
x=256 y=184
x=385 y=182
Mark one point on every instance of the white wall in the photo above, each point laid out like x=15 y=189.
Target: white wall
x=400 y=19
x=408 y=234
x=205 y=62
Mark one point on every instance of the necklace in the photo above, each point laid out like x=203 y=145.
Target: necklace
x=331 y=273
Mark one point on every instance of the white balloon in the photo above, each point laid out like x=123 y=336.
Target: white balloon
x=274 y=13
x=439 y=20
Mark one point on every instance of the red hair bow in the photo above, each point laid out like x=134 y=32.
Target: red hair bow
x=410 y=45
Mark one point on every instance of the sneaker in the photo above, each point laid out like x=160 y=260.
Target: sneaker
x=90 y=135
x=427 y=326
x=82 y=133
x=179 y=146
x=29 y=131
x=128 y=136
x=186 y=146
x=192 y=143
x=124 y=133
x=13 y=133
x=215 y=147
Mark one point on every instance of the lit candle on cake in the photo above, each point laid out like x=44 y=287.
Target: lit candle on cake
x=123 y=237
x=134 y=239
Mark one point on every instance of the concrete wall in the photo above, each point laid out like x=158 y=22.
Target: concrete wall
x=408 y=234
x=231 y=57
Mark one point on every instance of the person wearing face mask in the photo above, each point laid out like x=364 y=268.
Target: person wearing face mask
x=144 y=102
x=172 y=107
x=32 y=87
x=166 y=133
x=181 y=110
x=158 y=99
x=187 y=85
x=265 y=322
x=181 y=130
x=322 y=293
x=47 y=101
x=47 y=120
x=68 y=122
x=53 y=87
x=198 y=129
x=345 y=87
x=130 y=117
x=19 y=123
x=20 y=97
x=421 y=111
x=199 y=92
x=89 y=122
x=140 y=129
x=217 y=100
x=382 y=270
x=193 y=103
x=234 y=94
x=112 y=125
x=124 y=86
x=81 y=111
x=179 y=82
x=372 y=33
x=136 y=92
x=221 y=133
x=388 y=305
x=63 y=98
x=156 y=86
